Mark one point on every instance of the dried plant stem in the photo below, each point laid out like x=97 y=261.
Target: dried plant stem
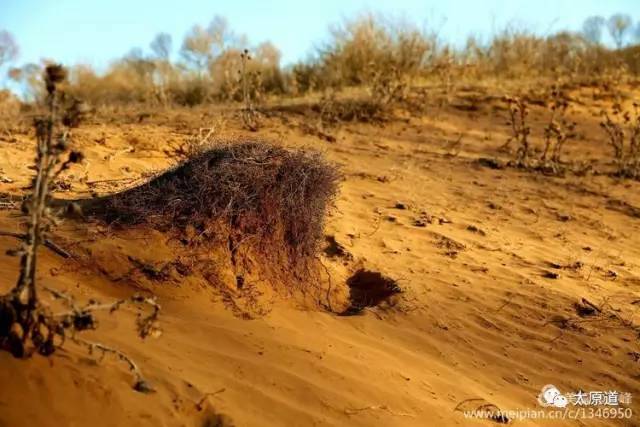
x=146 y=325
x=140 y=384
x=248 y=112
x=200 y=403
x=47 y=243
x=38 y=204
x=518 y=112
x=623 y=132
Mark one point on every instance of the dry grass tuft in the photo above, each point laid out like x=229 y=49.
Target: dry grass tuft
x=256 y=191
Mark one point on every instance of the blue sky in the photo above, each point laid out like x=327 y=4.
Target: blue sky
x=96 y=31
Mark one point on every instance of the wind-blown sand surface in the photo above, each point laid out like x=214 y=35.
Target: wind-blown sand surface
x=473 y=249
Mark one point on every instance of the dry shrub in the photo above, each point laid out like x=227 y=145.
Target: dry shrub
x=559 y=130
x=515 y=54
x=623 y=132
x=333 y=110
x=304 y=77
x=262 y=73
x=9 y=107
x=379 y=53
x=382 y=55
x=189 y=90
x=128 y=81
x=630 y=57
x=249 y=191
x=518 y=113
x=363 y=48
x=139 y=79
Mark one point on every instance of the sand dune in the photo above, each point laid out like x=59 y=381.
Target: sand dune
x=492 y=264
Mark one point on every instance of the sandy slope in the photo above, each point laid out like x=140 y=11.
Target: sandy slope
x=469 y=246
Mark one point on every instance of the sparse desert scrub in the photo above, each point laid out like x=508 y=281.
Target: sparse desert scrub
x=362 y=49
x=515 y=54
x=380 y=54
x=383 y=56
x=556 y=133
x=210 y=71
x=125 y=82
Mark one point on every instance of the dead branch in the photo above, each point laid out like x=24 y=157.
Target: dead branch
x=200 y=403
x=355 y=411
x=147 y=325
x=140 y=384
x=47 y=242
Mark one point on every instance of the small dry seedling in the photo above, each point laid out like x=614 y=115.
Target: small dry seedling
x=27 y=324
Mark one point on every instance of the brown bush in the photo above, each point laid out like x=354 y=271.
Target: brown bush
x=516 y=54
x=262 y=72
x=9 y=106
x=384 y=56
x=364 y=50
x=253 y=190
x=623 y=132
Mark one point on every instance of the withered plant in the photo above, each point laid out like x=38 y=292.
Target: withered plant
x=27 y=323
x=558 y=131
x=623 y=132
x=334 y=110
x=250 y=87
x=518 y=113
x=443 y=69
x=388 y=87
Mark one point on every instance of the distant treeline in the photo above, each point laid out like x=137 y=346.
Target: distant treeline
x=366 y=51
